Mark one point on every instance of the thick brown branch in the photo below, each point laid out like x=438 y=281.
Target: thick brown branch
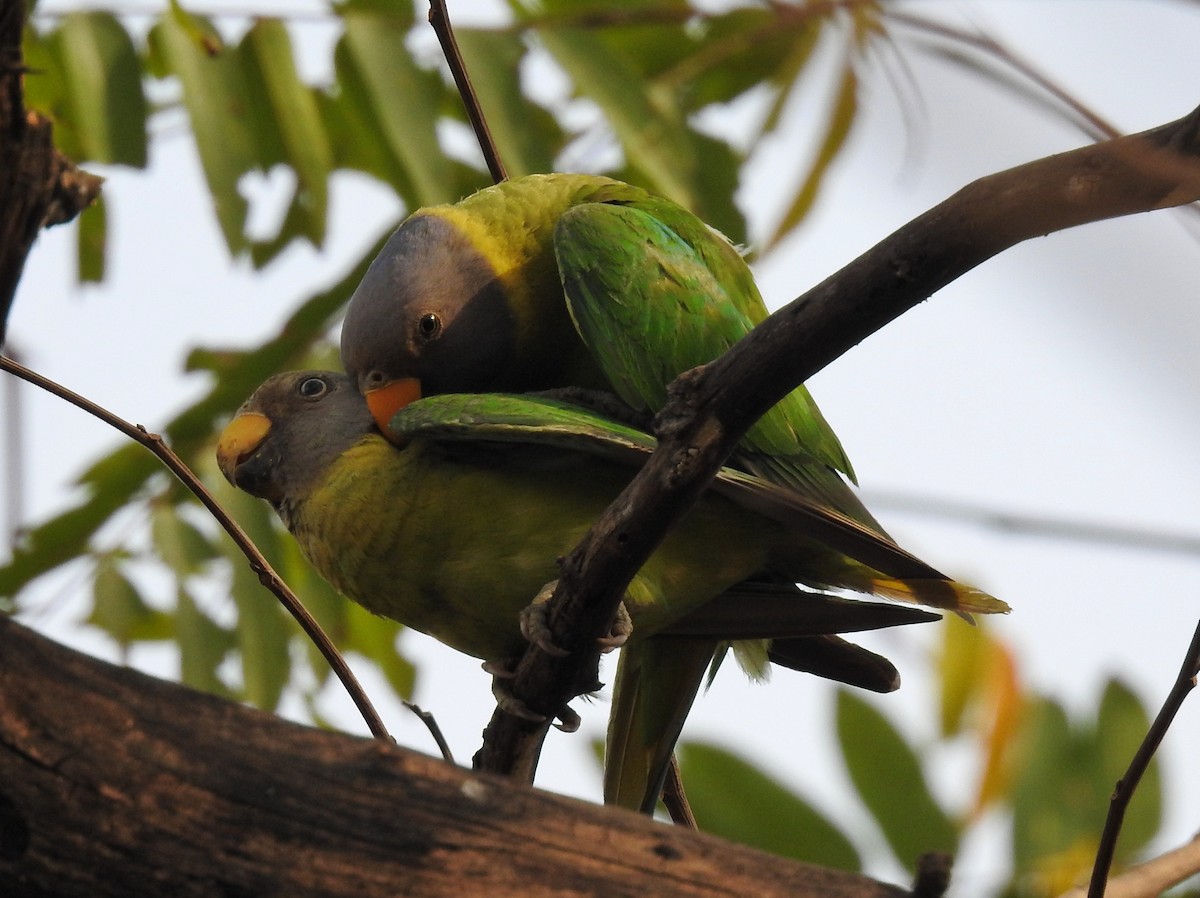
x=113 y=783
x=711 y=408
x=39 y=186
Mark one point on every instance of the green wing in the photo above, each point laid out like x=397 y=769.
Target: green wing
x=654 y=292
x=541 y=421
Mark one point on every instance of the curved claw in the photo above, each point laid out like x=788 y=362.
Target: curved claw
x=568 y=720
x=536 y=629
x=619 y=633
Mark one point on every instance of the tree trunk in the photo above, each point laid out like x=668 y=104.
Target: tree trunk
x=113 y=783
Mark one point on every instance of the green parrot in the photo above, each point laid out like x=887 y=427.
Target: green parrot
x=553 y=282
x=453 y=524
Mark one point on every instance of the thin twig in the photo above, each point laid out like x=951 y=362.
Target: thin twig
x=1151 y=878
x=258 y=563
x=1184 y=683
x=439 y=18
x=435 y=731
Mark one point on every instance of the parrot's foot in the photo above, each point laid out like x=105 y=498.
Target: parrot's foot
x=619 y=633
x=536 y=629
x=567 y=720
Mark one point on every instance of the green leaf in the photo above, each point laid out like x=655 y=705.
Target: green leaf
x=402 y=99
x=837 y=129
x=1121 y=726
x=215 y=90
x=103 y=82
x=962 y=665
x=91 y=242
x=292 y=107
x=735 y=800
x=649 y=127
x=887 y=774
x=180 y=545
x=376 y=638
x=1054 y=803
x=203 y=646
x=739 y=50
x=120 y=611
x=527 y=137
x=45 y=90
x=263 y=637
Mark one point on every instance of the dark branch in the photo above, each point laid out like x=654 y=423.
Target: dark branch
x=1123 y=793
x=39 y=187
x=712 y=407
x=113 y=783
x=439 y=18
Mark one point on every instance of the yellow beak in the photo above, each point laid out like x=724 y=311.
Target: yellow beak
x=239 y=439
x=385 y=401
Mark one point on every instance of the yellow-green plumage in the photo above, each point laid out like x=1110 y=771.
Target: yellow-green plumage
x=454 y=533
x=568 y=281
x=462 y=547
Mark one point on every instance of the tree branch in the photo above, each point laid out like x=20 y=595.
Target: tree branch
x=1185 y=682
x=710 y=408
x=113 y=783
x=39 y=187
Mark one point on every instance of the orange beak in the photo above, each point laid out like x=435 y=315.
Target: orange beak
x=239 y=439
x=385 y=401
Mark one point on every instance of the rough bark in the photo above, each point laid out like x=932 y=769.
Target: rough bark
x=113 y=783
x=39 y=186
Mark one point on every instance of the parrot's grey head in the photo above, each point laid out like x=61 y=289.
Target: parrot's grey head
x=429 y=317
x=287 y=434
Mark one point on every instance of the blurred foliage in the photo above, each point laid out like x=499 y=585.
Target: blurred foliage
x=1052 y=789
x=642 y=74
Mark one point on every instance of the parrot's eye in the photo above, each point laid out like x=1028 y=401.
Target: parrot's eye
x=429 y=326
x=313 y=387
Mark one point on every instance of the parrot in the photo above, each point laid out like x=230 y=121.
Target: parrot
x=585 y=285
x=455 y=519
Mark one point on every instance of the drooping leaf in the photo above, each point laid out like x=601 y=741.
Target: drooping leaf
x=1121 y=725
x=92 y=242
x=292 y=106
x=1055 y=819
x=887 y=774
x=120 y=611
x=733 y=799
x=652 y=133
x=178 y=543
x=203 y=646
x=403 y=99
x=215 y=92
x=837 y=129
x=103 y=84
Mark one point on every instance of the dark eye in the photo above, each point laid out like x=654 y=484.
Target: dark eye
x=429 y=326
x=313 y=387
